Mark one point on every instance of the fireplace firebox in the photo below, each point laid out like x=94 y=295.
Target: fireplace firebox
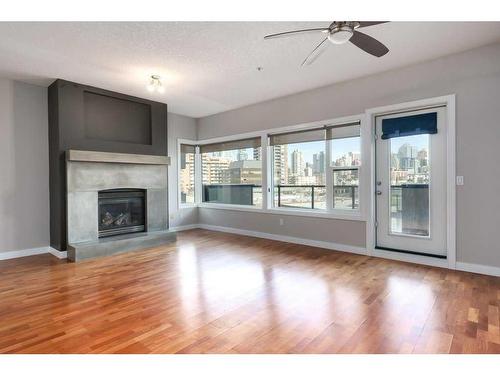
x=121 y=211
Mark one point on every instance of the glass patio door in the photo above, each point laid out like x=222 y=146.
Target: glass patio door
x=411 y=182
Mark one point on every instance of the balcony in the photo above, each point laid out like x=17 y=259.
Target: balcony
x=241 y=194
x=409 y=211
x=291 y=196
x=314 y=196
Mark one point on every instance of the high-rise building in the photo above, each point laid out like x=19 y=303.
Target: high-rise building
x=422 y=157
x=407 y=155
x=243 y=172
x=348 y=160
x=187 y=178
x=242 y=155
x=308 y=171
x=280 y=157
x=213 y=168
x=257 y=153
x=319 y=162
x=298 y=165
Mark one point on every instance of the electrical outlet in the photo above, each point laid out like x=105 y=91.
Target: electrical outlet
x=460 y=180
x=282 y=221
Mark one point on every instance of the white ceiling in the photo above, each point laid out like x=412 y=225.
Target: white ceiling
x=210 y=67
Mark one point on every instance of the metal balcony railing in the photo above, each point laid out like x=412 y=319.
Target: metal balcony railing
x=293 y=196
x=241 y=194
x=409 y=209
x=314 y=196
x=300 y=196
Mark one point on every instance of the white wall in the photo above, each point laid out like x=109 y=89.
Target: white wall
x=185 y=128
x=24 y=167
x=474 y=76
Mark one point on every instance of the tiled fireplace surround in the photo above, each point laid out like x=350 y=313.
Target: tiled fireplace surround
x=87 y=173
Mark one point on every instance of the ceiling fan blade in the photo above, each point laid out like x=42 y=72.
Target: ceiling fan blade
x=320 y=48
x=368 y=44
x=294 y=32
x=370 y=23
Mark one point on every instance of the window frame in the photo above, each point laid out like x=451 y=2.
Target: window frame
x=267 y=172
x=332 y=168
x=180 y=142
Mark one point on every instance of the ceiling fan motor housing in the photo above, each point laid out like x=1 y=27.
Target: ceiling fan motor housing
x=341 y=32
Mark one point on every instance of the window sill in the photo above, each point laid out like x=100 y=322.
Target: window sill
x=354 y=216
x=232 y=207
x=187 y=205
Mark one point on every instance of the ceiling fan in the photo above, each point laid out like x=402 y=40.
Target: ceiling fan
x=340 y=32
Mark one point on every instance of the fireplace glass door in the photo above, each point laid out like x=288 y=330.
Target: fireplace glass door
x=121 y=211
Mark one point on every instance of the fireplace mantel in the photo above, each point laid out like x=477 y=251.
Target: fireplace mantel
x=115 y=157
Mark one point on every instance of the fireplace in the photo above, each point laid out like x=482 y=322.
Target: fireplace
x=121 y=211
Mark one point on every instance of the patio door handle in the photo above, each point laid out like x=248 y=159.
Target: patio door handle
x=378 y=192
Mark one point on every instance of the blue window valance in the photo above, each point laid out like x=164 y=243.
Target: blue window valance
x=409 y=125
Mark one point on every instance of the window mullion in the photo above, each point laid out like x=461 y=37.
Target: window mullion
x=198 y=186
x=328 y=176
x=267 y=180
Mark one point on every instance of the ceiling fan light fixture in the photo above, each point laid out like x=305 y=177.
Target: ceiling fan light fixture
x=340 y=35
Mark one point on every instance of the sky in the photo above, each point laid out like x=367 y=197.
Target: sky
x=340 y=147
x=419 y=141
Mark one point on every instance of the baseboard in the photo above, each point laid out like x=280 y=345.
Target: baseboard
x=279 y=237
x=33 y=251
x=478 y=268
x=57 y=253
x=443 y=263
x=23 y=253
x=461 y=266
x=180 y=228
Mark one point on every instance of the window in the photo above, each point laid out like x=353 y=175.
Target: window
x=232 y=172
x=298 y=162
x=186 y=175
x=409 y=185
x=315 y=169
x=302 y=175
x=345 y=160
x=345 y=143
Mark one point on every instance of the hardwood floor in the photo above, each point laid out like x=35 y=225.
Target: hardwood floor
x=221 y=293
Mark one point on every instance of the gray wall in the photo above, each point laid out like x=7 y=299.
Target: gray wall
x=24 y=167
x=351 y=233
x=185 y=128
x=474 y=76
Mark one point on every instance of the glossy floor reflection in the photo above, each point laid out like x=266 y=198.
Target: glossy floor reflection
x=221 y=293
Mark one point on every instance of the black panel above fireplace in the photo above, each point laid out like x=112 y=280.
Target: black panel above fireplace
x=121 y=211
x=108 y=118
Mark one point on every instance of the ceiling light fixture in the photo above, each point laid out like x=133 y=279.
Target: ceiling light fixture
x=155 y=84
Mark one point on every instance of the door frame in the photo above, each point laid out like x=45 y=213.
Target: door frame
x=369 y=149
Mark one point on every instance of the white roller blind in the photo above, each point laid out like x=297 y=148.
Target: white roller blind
x=343 y=131
x=188 y=149
x=297 y=137
x=231 y=145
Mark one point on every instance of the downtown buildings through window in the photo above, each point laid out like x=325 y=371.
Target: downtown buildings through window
x=232 y=172
x=315 y=169
x=303 y=176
